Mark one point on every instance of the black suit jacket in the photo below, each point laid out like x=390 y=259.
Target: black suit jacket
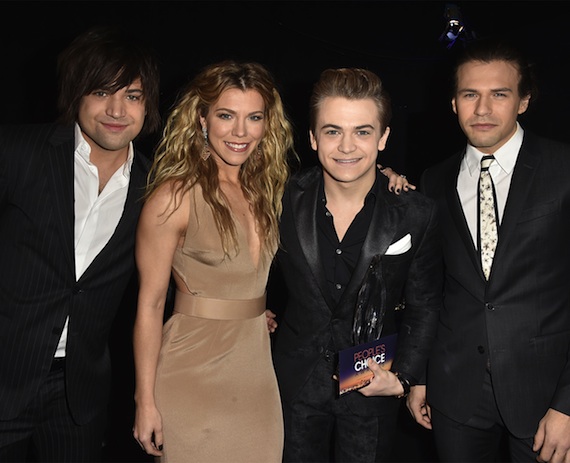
x=311 y=321
x=520 y=320
x=38 y=288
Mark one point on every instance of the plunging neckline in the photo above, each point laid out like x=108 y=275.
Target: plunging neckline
x=231 y=191
x=255 y=260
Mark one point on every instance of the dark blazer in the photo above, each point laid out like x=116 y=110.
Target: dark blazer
x=311 y=321
x=38 y=288
x=520 y=320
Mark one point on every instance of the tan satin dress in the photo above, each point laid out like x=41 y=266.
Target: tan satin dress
x=216 y=388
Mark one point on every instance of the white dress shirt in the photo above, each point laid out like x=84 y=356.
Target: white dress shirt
x=501 y=172
x=96 y=214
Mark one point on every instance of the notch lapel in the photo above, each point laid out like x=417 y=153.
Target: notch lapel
x=458 y=216
x=59 y=168
x=125 y=232
x=523 y=176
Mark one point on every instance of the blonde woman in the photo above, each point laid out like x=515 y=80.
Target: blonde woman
x=205 y=385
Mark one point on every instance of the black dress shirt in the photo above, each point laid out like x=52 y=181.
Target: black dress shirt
x=339 y=258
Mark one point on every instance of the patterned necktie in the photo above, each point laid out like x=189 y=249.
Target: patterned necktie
x=487 y=216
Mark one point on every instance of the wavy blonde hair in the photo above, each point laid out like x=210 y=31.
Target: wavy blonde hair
x=262 y=176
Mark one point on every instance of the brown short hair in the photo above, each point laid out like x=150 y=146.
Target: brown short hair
x=353 y=84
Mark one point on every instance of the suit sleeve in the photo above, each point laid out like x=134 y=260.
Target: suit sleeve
x=423 y=296
x=3 y=172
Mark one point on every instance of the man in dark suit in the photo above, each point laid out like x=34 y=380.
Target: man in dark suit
x=339 y=219
x=500 y=363
x=70 y=196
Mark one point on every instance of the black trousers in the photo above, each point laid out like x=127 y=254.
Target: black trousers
x=483 y=438
x=46 y=432
x=319 y=427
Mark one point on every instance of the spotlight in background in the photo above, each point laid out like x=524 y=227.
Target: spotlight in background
x=455 y=28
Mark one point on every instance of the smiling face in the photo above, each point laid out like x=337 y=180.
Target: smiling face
x=487 y=103
x=347 y=138
x=110 y=121
x=236 y=125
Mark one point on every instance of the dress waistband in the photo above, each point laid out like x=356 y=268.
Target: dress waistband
x=218 y=309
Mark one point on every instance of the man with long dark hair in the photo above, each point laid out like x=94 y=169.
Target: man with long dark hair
x=69 y=203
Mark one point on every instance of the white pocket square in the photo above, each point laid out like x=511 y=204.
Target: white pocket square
x=400 y=246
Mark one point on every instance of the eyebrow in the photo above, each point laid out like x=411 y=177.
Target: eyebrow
x=493 y=90
x=233 y=111
x=129 y=91
x=338 y=127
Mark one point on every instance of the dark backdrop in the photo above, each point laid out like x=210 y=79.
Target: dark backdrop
x=296 y=39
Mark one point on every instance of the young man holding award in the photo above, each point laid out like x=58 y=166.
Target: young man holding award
x=351 y=254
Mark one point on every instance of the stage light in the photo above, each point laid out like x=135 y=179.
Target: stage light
x=454 y=28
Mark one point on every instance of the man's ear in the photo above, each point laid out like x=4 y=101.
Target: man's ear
x=453 y=106
x=523 y=105
x=313 y=140
x=383 y=139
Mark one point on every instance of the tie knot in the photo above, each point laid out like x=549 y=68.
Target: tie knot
x=486 y=161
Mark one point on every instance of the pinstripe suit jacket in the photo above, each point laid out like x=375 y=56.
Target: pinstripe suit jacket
x=520 y=318
x=38 y=288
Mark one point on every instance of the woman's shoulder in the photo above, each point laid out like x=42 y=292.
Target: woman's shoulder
x=171 y=198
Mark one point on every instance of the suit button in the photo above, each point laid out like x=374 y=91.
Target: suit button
x=489 y=306
x=77 y=290
x=481 y=349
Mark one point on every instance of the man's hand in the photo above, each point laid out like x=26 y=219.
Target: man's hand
x=384 y=382
x=552 y=439
x=418 y=406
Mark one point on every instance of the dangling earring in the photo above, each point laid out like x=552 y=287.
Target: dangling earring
x=206 y=151
x=259 y=153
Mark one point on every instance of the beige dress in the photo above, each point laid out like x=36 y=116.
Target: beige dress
x=216 y=388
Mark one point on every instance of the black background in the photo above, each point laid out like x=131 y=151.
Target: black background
x=296 y=40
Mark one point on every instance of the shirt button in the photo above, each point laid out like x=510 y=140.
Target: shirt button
x=338 y=251
x=328 y=214
x=338 y=286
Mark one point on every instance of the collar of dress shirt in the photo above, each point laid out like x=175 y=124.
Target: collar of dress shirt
x=506 y=155
x=83 y=149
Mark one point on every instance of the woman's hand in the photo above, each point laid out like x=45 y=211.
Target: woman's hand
x=147 y=430
x=396 y=182
x=271 y=323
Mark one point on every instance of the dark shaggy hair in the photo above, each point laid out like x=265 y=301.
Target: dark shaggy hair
x=107 y=58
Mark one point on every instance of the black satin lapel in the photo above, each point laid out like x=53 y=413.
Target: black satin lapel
x=59 y=167
x=304 y=203
x=383 y=227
